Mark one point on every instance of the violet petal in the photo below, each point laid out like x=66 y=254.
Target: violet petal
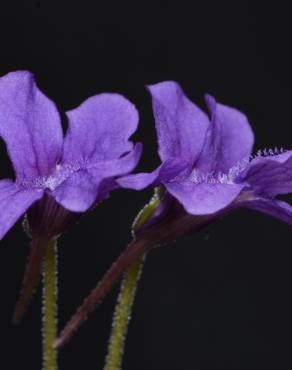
x=78 y=192
x=270 y=175
x=272 y=207
x=228 y=140
x=117 y=166
x=204 y=198
x=99 y=129
x=180 y=124
x=167 y=171
x=30 y=126
x=87 y=185
x=14 y=201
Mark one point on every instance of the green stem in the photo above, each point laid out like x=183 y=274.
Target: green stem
x=127 y=293
x=122 y=315
x=50 y=306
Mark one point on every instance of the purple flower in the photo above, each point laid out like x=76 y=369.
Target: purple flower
x=206 y=171
x=218 y=173
x=58 y=178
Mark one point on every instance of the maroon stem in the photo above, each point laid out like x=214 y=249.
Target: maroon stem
x=134 y=249
x=31 y=278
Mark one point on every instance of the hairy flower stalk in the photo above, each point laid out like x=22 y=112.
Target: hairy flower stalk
x=126 y=296
x=122 y=314
x=31 y=277
x=50 y=306
x=44 y=221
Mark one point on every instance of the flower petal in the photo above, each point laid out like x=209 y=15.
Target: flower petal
x=203 y=198
x=30 y=126
x=93 y=183
x=97 y=142
x=117 y=167
x=270 y=175
x=228 y=141
x=99 y=129
x=14 y=201
x=180 y=124
x=140 y=180
x=167 y=171
x=78 y=192
x=272 y=207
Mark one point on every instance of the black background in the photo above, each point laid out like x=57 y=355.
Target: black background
x=217 y=300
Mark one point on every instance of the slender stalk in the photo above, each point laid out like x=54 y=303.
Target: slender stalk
x=122 y=314
x=31 y=277
x=50 y=306
x=127 y=293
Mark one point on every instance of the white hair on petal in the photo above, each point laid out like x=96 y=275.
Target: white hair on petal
x=199 y=177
